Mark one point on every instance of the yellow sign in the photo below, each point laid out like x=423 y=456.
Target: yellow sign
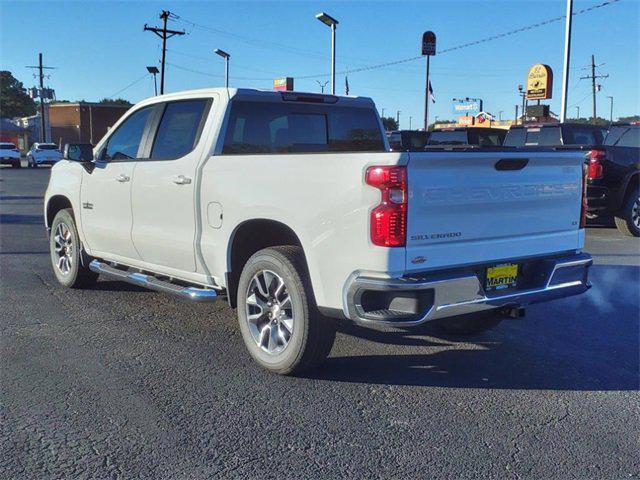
x=539 y=82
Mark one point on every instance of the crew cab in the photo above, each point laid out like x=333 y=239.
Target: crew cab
x=614 y=178
x=43 y=154
x=9 y=155
x=291 y=207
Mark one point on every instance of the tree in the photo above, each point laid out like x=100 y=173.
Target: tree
x=14 y=101
x=389 y=123
x=117 y=101
x=632 y=118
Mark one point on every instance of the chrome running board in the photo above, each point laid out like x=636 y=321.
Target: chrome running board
x=192 y=293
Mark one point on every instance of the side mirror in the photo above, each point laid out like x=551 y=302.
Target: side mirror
x=78 y=152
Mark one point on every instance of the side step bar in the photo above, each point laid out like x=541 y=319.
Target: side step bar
x=193 y=294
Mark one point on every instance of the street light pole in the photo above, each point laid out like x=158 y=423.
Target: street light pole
x=578 y=112
x=154 y=71
x=410 y=118
x=398 y=119
x=226 y=57
x=322 y=85
x=500 y=115
x=611 y=110
x=331 y=23
x=565 y=68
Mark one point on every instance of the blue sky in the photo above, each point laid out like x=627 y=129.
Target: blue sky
x=99 y=48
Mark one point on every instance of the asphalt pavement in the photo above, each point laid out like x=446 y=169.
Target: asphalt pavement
x=119 y=382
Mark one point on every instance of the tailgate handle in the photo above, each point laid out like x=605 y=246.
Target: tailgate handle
x=511 y=163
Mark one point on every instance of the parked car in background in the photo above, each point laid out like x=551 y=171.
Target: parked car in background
x=9 y=155
x=555 y=134
x=290 y=206
x=478 y=136
x=43 y=154
x=407 y=140
x=614 y=178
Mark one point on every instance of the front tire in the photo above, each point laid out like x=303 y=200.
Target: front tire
x=279 y=320
x=16 y=164
x=70 y=269
x=628 y=220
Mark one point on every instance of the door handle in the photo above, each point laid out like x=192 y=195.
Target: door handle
x=123 y=178
x=181 y=180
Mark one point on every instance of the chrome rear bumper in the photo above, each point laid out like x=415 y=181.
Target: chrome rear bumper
x=447 y=295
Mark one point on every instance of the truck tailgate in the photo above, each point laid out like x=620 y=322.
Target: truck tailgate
x=478 y=207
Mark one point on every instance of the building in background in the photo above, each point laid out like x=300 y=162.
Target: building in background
x=12 y=133
x=33 y=125
x=82 y=122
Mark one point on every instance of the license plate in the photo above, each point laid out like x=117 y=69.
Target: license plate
x=502 y=276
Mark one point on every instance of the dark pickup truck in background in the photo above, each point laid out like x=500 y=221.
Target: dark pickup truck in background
x=474 y=136
x=555 y=134
x=407 y=140
x=613 y=186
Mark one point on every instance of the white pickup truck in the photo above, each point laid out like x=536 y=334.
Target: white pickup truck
x=291 y=206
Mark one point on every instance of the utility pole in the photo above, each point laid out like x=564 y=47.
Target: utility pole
x=500 y=115
x=567 y=54
x=578 y=112
x=382 y=113
x=410 y=118
x=515 y=119
x=594 y=86
x=322 y=85
x=398 y=119
x=41 y=68
x=164 y=34
x=611 y=110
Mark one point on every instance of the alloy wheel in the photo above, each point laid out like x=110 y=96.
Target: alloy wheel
x=64 y=248
x=269 y=311
x=635 y=213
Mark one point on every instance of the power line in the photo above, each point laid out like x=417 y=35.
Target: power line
x=128 y=86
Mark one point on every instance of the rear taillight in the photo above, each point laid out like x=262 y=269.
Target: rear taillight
x=389 y=218
x=595 y=168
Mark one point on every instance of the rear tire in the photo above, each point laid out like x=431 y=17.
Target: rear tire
x=70 y=263
x=471 y=324
x=279 y=320
x=16 y=164
x=628 y=219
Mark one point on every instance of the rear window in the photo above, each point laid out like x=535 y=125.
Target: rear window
x=631 y=138
x=47 y=147
x=579 y=135
x=452 y=137
x=614 y=135
x=515 y=137
x=264 y=127
x=7 y=146
x=486 y=138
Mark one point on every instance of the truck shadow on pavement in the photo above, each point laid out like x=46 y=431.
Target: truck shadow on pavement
x=583 y=343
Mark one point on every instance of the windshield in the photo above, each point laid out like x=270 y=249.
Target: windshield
x=47 y=146
x=7 y=146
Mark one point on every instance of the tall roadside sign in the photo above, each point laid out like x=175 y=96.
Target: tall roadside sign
x=539 y=82
x=428 y=50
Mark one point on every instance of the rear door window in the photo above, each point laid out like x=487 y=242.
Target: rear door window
x=270 y=127
x=179 y=129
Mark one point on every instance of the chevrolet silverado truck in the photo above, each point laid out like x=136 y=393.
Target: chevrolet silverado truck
x=291 y=206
